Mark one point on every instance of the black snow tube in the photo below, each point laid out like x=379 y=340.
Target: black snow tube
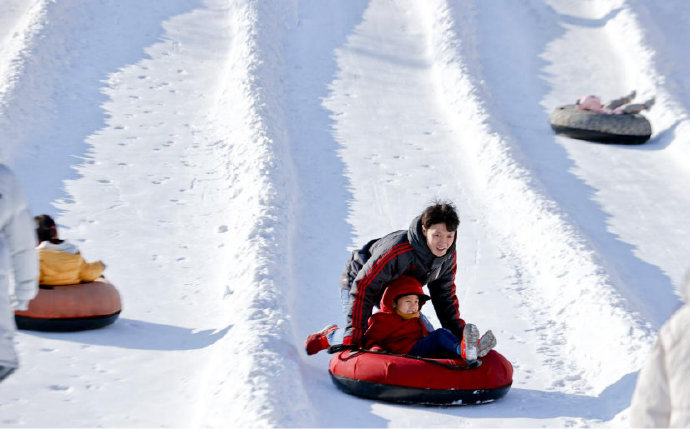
x=600 y=127
x=411 y=380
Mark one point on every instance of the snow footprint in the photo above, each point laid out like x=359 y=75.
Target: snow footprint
x=160 y=181
x=60 y=388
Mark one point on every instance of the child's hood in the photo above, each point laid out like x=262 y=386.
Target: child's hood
x=65 y=246
x=403 y=285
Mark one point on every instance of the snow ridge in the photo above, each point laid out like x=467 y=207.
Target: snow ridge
x=260 y=384
x=15 y=41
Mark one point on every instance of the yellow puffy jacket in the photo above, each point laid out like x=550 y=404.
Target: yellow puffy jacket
x=62 y=264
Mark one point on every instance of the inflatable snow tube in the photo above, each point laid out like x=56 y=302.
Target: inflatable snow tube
x=600 y=127
x=71 y=307
x=410 y=380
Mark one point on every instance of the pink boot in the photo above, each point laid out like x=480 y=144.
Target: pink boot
x=319 y=341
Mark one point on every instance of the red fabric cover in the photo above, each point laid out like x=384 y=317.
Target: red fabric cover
x=494 y=372
x=388 y=329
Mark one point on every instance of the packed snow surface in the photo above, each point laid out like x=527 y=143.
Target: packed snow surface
x=222 y=158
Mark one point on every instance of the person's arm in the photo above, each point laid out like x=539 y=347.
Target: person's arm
x=651 y=403
x=378 y=331
x=20 y=235
x=445 y=300
x=90 y=271
x=379 y=270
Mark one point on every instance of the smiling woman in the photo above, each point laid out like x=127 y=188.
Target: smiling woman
x=425 y=252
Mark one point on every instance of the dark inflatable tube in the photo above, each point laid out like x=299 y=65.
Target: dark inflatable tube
x=600 y=127
x=410 y=380
x=71 y=308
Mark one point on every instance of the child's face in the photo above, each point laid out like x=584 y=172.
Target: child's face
x=407 y=304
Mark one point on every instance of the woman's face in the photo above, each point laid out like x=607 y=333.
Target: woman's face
x=438 y=238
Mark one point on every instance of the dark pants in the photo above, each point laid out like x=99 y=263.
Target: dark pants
x=440 y=343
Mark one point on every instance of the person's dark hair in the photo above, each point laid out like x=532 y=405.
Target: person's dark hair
x=46 y=230
x=441 y=212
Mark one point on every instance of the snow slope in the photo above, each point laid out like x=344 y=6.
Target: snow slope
x=222 y=158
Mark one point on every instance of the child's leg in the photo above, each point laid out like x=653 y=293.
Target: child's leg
x=439 y=343
x=618 y=102
x=321 y=340
x=638 y=107
x=631 y=109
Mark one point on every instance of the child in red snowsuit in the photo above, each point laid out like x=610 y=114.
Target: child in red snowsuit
x=397 y=327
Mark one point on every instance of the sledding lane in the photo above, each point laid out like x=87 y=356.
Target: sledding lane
x=145 y=121
x=640 y=192
x=612 y=194
x=402 y=148
x=399 y=155
x=616 y=240
x=628 y=203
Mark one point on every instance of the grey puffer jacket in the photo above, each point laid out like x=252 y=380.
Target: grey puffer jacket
x=371 y=268
x=18 y=260
x=662 y=393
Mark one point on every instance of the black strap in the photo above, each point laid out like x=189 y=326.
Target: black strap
x=342 y=347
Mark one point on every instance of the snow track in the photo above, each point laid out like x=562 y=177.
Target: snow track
x=222 y=158
x=558 y=270
x=191 y=114
x=388 y=74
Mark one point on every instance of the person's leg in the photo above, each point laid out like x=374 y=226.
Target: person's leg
x=439 y=343
x=632 y=109
x=345 y=301
x=618 y=102
x=468 y=345
x=5 y=371
x=320 y=340
x=638 y=107
x=336 y=336
x=486 y=343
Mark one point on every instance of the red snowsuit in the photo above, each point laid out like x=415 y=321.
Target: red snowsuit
x=388 y=329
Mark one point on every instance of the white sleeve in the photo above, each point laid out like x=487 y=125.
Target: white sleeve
x=651 y=403
x=19 y=231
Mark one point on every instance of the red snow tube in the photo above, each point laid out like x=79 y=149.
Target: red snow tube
x=71 y=307
x=405 y=379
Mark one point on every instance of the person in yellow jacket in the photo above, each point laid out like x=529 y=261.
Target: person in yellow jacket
x=60 y=261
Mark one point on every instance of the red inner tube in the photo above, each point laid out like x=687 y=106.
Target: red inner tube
x=408 y=379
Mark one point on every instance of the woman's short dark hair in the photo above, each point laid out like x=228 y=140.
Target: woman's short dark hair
x=441 y=212
x=45 y=228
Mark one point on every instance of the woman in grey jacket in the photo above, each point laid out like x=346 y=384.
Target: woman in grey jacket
x=425 y=251
x=18 y=264
x=662 y=394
